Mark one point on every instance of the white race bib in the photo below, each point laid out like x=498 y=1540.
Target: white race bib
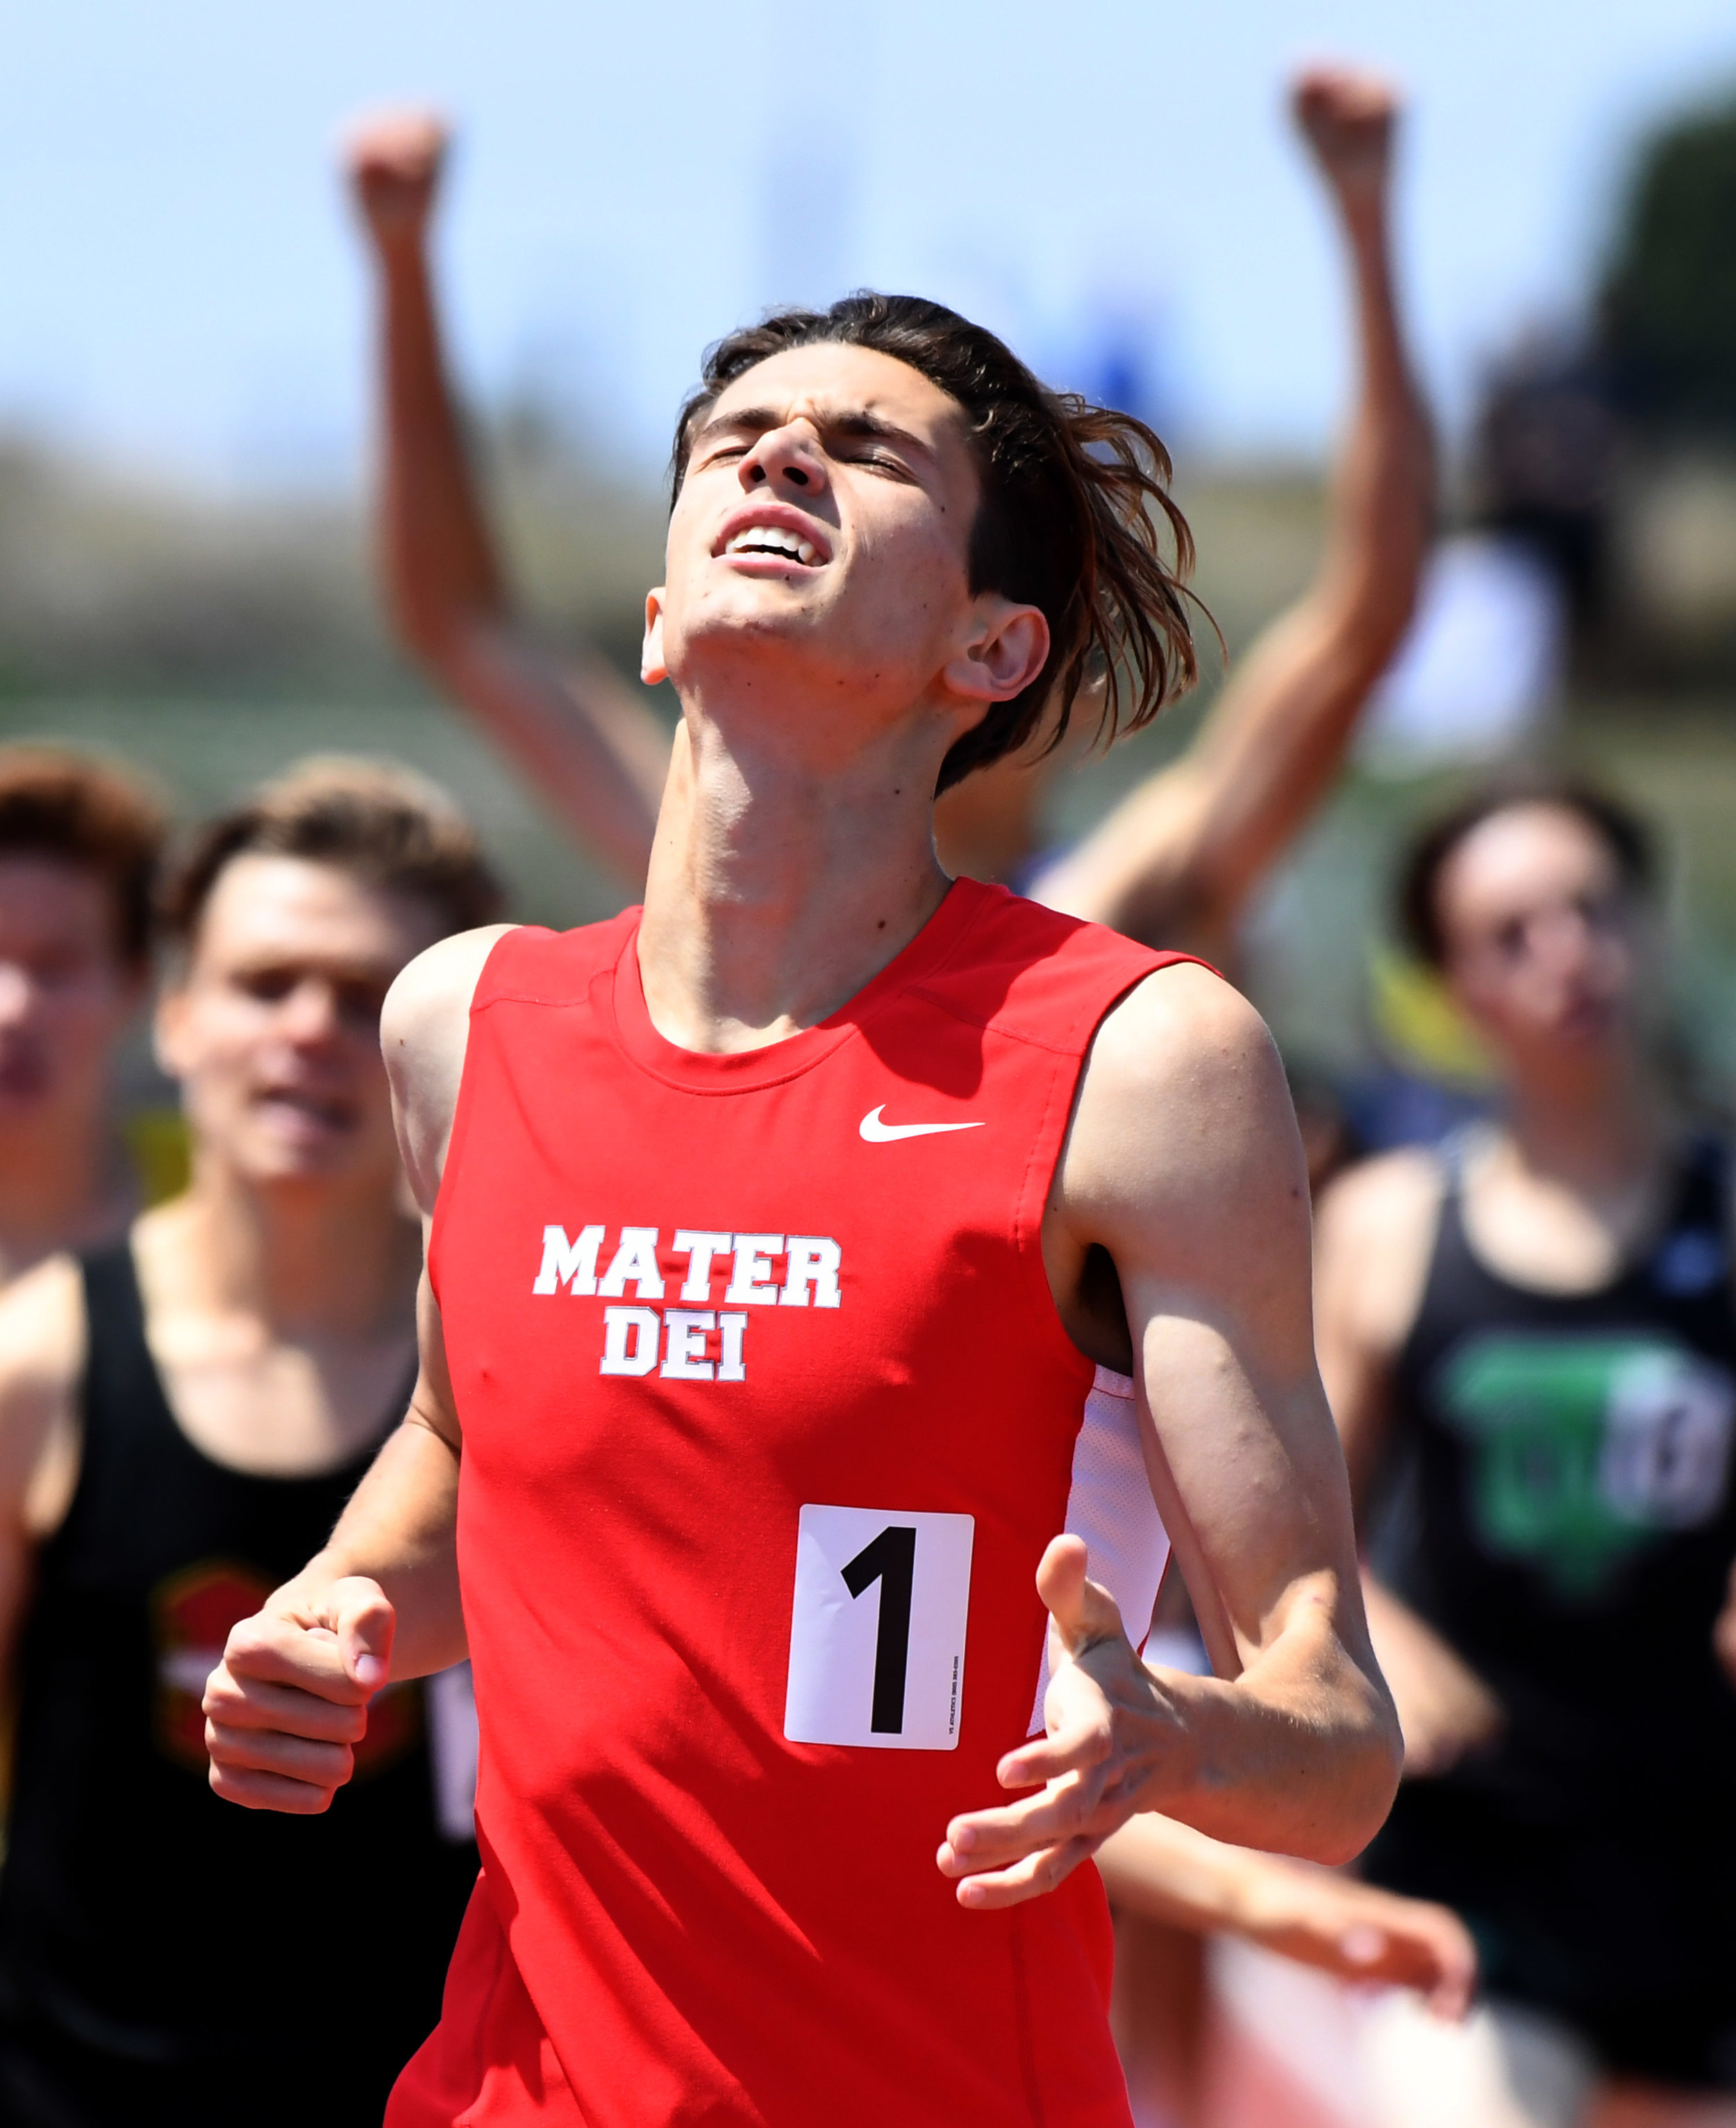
x=877 y=1628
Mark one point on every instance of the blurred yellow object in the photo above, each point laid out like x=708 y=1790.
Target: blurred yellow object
x=161 y=1153
x=1419 y=1024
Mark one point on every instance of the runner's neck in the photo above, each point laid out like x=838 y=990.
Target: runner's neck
x=781 y=886
x=1603 y=1136
x=307 y=1261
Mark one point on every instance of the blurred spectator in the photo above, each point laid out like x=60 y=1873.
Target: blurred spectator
x=1543 y=461
x=183 y=1412
x=79 y=841
x=1528 y=1338
x=1605 y=452
x=1668 y=323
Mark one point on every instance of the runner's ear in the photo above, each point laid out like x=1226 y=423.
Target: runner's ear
x=651 y=668
x=1006 y=649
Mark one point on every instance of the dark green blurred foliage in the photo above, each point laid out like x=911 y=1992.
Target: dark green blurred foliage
x=1669 y=298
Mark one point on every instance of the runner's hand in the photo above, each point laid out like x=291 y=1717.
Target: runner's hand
x=1348 y=117
x=1361 y=1933
x=393 y=159
x=290 y=1697
x=1109 y=1726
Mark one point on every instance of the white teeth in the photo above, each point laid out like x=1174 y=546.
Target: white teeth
x=774 y=536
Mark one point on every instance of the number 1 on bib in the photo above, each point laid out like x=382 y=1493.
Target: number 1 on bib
x=877 y=1628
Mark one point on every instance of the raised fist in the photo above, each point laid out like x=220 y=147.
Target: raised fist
x=1348 y=117
x=393 y=159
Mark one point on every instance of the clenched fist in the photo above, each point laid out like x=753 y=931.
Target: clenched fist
x=289 y=1699
x=1348 y=117
x=394 y=158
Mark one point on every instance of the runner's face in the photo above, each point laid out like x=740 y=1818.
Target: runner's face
x=274 y=1027
x=65 y=994
x=1541 y=936
x=825 y=520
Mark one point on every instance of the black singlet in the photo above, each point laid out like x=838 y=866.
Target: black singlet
x=1561 y=1510
x=165 y=1955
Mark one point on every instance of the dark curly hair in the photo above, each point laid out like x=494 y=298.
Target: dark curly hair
x=1076 y=504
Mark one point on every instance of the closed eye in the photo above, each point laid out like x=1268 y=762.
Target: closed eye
x=875 y=461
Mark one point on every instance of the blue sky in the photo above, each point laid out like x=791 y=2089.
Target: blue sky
x=180 y=284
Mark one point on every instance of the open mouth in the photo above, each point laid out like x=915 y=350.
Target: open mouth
x=772 y=538
x=300 y=1109
x=768 y=539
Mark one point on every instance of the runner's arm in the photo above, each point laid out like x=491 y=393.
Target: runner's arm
x=582 y=738
x=1170 y=1874
x=290 y=1698
x=1183 y=851
x=1183 y=1163
x=1376 y=1231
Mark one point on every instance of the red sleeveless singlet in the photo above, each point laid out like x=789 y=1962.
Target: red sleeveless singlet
x=768 y=1416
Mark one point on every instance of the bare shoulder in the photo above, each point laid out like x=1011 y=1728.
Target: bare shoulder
x=1183 y=1123
x=436 y=988
x=1184 y=1067
x=424 y=1028
x=1389 y=1201
x=42 y=1325
x=42 y=1349
x=1180 y=1017
x=1374 y=1235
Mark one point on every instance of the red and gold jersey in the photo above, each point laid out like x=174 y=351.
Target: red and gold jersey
x=768 y=1417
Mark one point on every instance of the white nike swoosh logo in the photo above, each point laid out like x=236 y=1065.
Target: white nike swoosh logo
x=879 y=1133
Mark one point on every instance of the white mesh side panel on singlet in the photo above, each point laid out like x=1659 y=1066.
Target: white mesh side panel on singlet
x=1109 y=1504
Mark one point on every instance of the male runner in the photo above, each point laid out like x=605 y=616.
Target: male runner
x=183 y=1412
x=776 y=1232
x=1176 y=864
x=1530 y=1337
x=1177 y=860
x=79 y=848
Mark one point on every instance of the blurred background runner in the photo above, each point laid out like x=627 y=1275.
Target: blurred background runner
x=1528 y=1335
x=184 y=1409
x=79 y=841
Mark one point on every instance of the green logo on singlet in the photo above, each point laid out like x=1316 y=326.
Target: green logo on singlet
x=1585 y=1448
